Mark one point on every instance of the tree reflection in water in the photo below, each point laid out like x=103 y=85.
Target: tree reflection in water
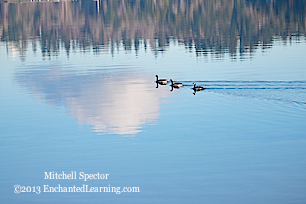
x=206 y=26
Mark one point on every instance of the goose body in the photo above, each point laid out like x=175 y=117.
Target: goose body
x=161 y=81
x=176 y=85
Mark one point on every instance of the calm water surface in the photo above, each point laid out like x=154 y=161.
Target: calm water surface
x=78 y=93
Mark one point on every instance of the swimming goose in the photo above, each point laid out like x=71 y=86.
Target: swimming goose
x=176 y=85
x=197 y=88
x=161 y=81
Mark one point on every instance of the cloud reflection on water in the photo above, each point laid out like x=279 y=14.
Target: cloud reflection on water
x=114 y=102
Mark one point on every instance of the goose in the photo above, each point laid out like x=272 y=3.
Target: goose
x=176 y=85
x=161 y=81
x=197 y=88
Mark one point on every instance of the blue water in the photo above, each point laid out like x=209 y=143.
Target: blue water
x=241 y=140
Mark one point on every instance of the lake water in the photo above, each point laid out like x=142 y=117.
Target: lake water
x=78 y=94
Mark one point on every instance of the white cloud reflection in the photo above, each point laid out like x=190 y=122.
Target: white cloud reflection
x=118 y=102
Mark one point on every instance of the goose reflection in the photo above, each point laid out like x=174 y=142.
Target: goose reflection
x=98 y=99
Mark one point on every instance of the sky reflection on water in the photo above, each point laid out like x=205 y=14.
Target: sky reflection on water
x=103 y=95
x=116 y=102
x=77 y=93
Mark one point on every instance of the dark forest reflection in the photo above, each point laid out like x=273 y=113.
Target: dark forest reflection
x=206 y=26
